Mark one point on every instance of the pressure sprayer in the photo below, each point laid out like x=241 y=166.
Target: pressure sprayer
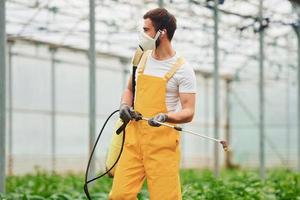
x=178 y=128
x=122 y=129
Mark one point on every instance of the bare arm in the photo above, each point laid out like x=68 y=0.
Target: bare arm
x=127 y=96
x=188 y=108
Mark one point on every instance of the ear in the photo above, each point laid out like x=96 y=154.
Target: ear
x=163 y=33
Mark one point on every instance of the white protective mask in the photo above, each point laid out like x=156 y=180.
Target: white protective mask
x=146 y=42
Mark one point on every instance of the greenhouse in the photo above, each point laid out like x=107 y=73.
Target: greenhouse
x=65 y=66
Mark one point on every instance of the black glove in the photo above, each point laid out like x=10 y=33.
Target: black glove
x=161 y=117
x=136 y=115
x=125 y=113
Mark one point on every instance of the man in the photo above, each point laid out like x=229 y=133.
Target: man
x=165 y=92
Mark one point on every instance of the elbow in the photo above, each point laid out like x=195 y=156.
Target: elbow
x=190 y=117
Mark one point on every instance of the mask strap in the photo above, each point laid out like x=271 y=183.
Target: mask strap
x=157 y=35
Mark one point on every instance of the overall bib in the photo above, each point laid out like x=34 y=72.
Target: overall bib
x=149 y=152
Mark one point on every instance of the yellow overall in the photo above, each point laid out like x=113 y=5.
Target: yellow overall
x=149 y=152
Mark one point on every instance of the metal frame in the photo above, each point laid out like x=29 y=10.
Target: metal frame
x=2 y=96
x=261 y=95
x=216 y=87
x=92 y=84
x=53 y=109
x=10 y=110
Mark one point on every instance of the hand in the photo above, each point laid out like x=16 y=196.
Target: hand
x=161 y=117
x=136 y=115
x=125 y=113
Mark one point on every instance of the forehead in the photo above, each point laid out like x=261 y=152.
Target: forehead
x=148 y=23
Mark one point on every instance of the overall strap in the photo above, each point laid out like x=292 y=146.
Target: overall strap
x=143 y=61
x=179 y=62
x=135 y=61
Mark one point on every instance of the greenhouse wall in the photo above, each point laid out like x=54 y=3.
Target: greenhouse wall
x=30 y=128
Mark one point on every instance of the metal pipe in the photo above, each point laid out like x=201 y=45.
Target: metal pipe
x=10 y=112
x=216 y=87
x=297 y=30
x=2 y=96
x=228 y=161
x=296 y=26
x=287 y=104
x=53 y=109
x=224 y=143
x=92 y=83
x=261 y=95
x=206 y=118
x=298 y=34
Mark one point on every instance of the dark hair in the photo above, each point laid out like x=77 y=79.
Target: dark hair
x=162 y=19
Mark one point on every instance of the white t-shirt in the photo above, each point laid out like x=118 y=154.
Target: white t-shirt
x=183 y=81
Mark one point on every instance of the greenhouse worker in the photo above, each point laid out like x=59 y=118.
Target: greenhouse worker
x=165 y=92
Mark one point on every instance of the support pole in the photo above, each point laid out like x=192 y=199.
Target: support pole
x=92 y=84
x=53 y=109
x=296 y=26
x=228 y=154
x=10 y=111
x=261 y=95
x=297 y=30
x=287 y=105
x=2 y=96
x=216 y=87
x=206 y=118
x=298 y=36
x=288 y=126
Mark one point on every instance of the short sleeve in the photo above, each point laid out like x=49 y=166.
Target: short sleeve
x=187 y=79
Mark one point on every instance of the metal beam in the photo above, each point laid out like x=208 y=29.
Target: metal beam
x=92 y=84
x=297 y=30
x=261 y=95
x=287 y=110
x=298 y=36
x=53 y=110
x=228 y=154
x=2 y=96
x=206 y=119
x=10 y=111
x=216 y=87
x=296 y=26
